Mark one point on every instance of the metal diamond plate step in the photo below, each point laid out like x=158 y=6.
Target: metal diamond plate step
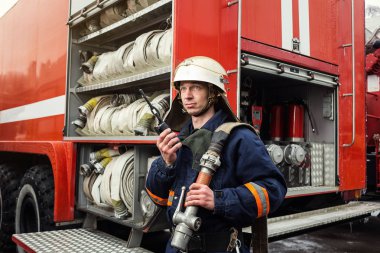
x=289 y=224
x=73 y=240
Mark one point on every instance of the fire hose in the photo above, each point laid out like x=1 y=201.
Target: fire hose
x=124 y=163
x=140 y=47
x=151 y=49
x=128 y=117
x=89 y=128
x=147 y=121
x=127 y=182
x=106 y=117
x=187 y=222
x=88 y=183
x=113 y=14
x=113 y=188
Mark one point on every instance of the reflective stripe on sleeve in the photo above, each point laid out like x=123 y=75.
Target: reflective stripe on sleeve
x=171 y=197
x=261 y=196
x=156 y=199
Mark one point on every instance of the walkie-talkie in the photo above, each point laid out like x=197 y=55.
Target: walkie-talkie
x=161 y=124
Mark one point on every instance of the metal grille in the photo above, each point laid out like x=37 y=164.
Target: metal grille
x=75 y=240
x=329 y=164
x=316 y=164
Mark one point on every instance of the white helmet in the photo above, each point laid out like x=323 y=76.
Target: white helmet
x=201 y=68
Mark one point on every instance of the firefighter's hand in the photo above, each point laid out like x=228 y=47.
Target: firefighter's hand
x=168 y=143
x=200 y=195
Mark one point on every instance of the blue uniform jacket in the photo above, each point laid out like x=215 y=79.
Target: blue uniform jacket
x=247 y=185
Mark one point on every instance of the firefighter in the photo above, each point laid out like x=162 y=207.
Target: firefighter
x=247 y=184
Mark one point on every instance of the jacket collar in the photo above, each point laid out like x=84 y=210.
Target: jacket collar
x=212 y=124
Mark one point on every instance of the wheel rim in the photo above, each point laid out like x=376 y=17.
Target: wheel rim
x=29 y=216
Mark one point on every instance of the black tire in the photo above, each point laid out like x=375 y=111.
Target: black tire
x=35 y=203
x=9 y=183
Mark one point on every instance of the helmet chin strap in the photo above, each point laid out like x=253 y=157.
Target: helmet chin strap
x=205 y=109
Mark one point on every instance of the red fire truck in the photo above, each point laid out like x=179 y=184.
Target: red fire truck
x=76 y=139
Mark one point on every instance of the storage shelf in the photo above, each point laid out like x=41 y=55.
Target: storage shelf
x=153 y=14
x=153 y=75
x=109 y=215
x=133 y=140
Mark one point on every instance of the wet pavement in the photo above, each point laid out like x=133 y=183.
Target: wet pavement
x=354 y=237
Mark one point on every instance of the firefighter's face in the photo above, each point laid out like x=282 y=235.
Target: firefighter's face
x=194 y=96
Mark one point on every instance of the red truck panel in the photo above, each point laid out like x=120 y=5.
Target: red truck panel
x=33 y=52
x=210 y=29
x=276 y=23
x=351 y=164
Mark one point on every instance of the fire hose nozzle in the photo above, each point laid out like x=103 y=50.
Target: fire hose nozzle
x=89 y=65
x=187 y=224
x=86 y=169
x=190 y=220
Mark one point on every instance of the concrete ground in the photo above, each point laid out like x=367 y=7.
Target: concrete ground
x=354 y=237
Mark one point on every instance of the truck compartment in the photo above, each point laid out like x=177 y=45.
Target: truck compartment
x=293 y=110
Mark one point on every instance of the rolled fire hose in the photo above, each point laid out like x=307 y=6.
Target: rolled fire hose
x=139 y=49
x=105 y=185
x=128 y=116
x=89 y=105
x=152 y=49
x=88 y=183
x=89 y=65
x=116 y=186
x=128 y=64
x=115 y=65
x=107 y=152
x=116 y=190
x=164 y=49
x=84 y=111
x=105 y=121
x=102 y=67
x=112 y=14
x=103 y=118
x=93 y=165
x=115 y=120
x=127 y=183
x=147 y=120
x=146 y=3
x=132 y=7
x=149 y=49
x=92 y=24
x=95 y=191
x=187 y=222
x=89 y=128
x=127 y=99
x=97 y=119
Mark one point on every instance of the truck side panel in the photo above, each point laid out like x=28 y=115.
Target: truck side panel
x=33 y=52
x=278 y=23
x=32 y=67
x=351 y=162
x=211 y=31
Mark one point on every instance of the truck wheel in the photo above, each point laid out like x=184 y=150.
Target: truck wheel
x=35 y=203
x=9 y=183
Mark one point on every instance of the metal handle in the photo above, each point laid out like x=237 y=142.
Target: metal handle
x=180 y=202
x=353 y=78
